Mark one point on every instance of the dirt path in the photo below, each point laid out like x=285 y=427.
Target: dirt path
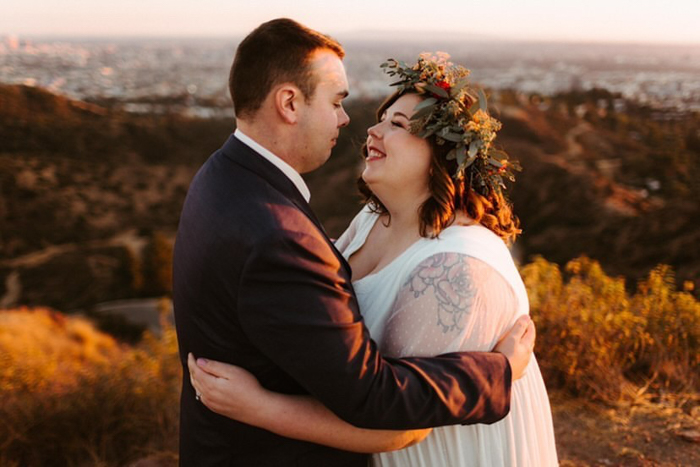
x=632 y=434
x=571 y=158
x=13 y=290
x=13 y=285
x=622 y=199
x=128 y=239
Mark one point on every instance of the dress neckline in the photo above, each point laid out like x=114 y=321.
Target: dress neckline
x=391 y=263
x=364 y=234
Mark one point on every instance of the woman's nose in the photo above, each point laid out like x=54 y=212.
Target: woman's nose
x=373 y=131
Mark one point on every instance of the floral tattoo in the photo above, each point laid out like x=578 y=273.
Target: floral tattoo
x=451 y=279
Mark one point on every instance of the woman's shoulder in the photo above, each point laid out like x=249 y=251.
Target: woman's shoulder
x=470 y=238
x=365 y=216
x=358 y=226
x=471 y=241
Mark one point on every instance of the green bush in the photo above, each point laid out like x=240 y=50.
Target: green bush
x=597 y=340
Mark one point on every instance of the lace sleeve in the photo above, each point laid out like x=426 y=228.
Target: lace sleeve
x=450 y=302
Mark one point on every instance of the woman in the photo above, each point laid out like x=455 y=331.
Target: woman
x=432 y=274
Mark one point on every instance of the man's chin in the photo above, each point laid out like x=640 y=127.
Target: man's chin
x=317 y=163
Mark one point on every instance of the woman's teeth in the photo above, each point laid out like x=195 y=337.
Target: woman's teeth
x=374 y=154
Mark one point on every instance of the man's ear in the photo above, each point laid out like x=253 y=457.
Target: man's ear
x=287 y=102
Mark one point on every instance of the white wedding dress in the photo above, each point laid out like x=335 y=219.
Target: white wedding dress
x=461 y=291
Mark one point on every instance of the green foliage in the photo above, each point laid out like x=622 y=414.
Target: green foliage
x=451 y=113
x=597 y=340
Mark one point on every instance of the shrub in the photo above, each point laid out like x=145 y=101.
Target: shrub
x=595 y=339
x=71 y=395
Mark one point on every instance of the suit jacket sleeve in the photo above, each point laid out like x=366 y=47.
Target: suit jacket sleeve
x=295 y=306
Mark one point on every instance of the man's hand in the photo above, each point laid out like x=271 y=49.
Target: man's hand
x=517 y=345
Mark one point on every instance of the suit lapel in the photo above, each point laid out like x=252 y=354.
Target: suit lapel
x=245 y=156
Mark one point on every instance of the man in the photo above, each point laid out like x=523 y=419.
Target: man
x=257 y=282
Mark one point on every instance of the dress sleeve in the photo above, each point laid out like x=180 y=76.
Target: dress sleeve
x=449 y=302
x=349 y=234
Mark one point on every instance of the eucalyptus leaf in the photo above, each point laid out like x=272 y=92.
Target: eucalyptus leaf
x=451 y=155
x=423 y=112
x=428 y=132
x=461 y=154
x=473 y=149
x=470 y=161
x=458 y=86
x=482 y=100
x=450 y=136
x=425 y=103
x=495 y=163
x=437 y=90
x=461 y=158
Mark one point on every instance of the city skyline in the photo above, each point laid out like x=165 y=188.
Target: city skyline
x=536 y=20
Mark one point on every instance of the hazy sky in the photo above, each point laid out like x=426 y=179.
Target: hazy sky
x=673 y=21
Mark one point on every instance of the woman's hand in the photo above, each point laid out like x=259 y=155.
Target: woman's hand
x=226 y=389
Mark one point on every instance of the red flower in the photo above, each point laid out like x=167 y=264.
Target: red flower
x=444 y=85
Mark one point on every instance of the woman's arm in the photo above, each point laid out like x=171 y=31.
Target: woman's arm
x=235 y=393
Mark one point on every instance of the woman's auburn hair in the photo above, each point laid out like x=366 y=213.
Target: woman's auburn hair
x=448 y=196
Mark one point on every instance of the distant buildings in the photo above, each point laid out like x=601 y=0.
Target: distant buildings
x=141 y=74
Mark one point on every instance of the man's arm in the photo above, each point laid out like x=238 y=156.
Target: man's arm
x=299 y=311
x=235 y=393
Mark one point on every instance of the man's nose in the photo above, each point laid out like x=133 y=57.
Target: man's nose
x=344 y=119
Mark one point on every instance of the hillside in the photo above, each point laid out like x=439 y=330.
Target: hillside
x=93 y=190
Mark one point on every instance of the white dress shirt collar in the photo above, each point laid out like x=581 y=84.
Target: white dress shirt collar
x=286 y=169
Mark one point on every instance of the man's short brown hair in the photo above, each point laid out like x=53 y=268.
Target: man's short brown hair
x=275 y=52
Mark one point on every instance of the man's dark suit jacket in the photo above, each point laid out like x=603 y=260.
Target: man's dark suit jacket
x=257 y=283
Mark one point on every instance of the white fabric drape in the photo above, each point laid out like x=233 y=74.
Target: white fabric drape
x=461 y=291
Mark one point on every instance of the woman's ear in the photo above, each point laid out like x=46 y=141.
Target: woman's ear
x=287 y=102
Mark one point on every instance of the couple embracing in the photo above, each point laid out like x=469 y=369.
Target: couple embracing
x=409 y=336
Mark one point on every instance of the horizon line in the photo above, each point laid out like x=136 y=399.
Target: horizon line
x=449 y=37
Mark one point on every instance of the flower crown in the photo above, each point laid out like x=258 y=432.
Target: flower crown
x=454 y=116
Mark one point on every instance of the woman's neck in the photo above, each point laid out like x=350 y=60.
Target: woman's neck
x=403 y=209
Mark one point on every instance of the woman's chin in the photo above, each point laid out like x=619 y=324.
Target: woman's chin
x=369 y=176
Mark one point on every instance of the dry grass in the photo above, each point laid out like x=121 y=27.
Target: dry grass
x=71 y=395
